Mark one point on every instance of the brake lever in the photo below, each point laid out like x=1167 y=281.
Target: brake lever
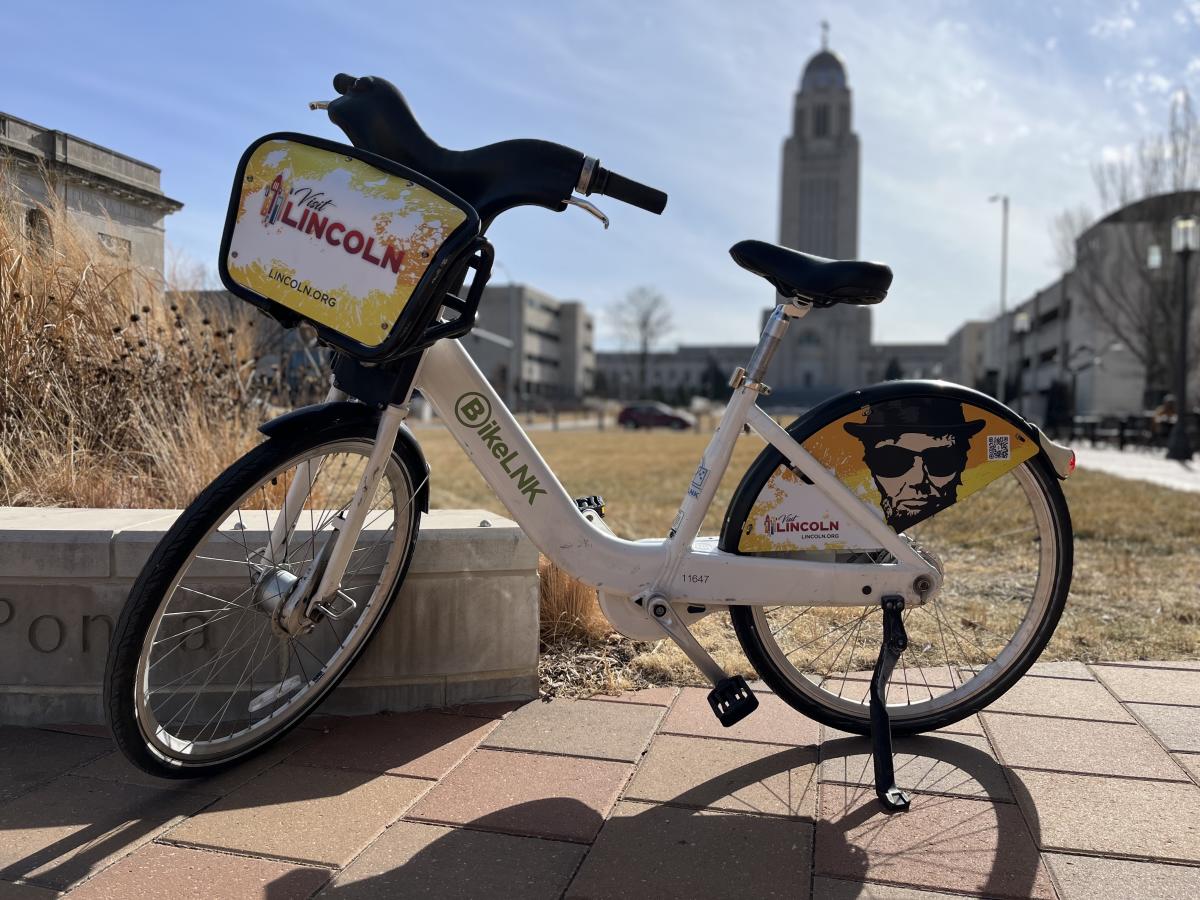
x=319 y=104
x=588 y=206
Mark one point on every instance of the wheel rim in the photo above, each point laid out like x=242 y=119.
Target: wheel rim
x=999 y=572
x=215 y=677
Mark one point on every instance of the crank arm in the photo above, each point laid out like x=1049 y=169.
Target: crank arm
x=666 y=618
x=731 y=698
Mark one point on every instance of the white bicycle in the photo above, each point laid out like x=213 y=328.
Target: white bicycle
x=910 y=521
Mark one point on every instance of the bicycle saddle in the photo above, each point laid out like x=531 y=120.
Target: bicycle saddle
x=822 y=281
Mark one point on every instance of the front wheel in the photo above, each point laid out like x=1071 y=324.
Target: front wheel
x=209 y=661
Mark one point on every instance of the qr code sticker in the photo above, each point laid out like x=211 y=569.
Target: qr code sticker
x=997 y=446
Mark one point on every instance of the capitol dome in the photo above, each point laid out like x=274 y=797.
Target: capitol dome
x=824 y=72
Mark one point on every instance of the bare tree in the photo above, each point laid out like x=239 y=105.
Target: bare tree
x=641 y=321
x=1065 y=230
x=1110 y=264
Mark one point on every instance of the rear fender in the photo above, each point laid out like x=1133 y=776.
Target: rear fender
x=975 y=439
x=347 y=414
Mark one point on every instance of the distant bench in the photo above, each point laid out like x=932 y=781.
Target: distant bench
x=1136 y=430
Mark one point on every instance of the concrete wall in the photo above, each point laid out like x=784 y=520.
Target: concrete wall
x=463 y=628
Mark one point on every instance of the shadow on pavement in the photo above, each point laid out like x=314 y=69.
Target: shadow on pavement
x=57 y=833
x=66 y=827
x=680 y=850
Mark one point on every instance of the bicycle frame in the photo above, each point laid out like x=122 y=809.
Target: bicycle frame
x=679 y=568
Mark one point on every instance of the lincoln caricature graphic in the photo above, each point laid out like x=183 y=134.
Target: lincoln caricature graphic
x=916 y=450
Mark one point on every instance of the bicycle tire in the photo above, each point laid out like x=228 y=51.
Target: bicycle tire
x=808 y=696
x=178 y=547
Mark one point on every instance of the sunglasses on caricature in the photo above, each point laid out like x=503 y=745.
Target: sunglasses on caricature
x=891 y=461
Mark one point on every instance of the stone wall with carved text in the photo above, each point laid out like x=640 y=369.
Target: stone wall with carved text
x=464 y=627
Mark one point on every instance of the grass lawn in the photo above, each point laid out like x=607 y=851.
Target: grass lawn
x=1136 y=587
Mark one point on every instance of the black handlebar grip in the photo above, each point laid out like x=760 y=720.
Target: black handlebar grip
x=628 y=191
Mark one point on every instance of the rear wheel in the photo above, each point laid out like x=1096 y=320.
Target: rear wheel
x=1005 y=552
x=213 y=658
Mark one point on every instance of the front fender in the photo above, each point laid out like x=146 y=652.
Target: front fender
x=345 y=414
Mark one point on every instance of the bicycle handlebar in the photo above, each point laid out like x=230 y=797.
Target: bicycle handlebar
x=610 y=184
x=495 y=178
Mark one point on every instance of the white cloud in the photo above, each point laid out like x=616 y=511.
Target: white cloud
x=1117 y=25
x=1114 y=26
x=1114 y=154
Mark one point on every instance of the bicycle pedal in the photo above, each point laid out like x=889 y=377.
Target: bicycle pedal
x=732 y=700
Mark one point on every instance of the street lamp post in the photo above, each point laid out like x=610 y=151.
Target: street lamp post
x=1003 y=198
x=1185 y=240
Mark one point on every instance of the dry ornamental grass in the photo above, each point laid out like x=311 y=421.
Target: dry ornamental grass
x=110 y=394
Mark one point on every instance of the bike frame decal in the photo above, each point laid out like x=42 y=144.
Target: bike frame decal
x=905 y=459
x=333 y=238
x=473 y=410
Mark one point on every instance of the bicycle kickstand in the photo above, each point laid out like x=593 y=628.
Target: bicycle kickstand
x=895 y=640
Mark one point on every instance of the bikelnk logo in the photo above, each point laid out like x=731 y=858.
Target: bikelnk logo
x=475 y=412
x=472 y=410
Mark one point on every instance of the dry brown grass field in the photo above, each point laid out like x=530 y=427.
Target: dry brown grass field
x=1136 y=588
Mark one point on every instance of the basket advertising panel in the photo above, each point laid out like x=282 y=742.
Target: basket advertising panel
x=345 y=239
x=906 y=458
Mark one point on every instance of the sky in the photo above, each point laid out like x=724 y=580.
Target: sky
x=953 y=102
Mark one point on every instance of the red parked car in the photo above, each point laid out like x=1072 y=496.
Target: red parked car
x=651 y=414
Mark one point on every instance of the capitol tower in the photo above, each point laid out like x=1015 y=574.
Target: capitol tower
x=818 y=214
x=819 y=202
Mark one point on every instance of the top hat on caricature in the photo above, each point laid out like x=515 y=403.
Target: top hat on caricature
x=924 y=415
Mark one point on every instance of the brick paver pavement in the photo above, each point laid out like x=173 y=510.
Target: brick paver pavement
x=1084 y=782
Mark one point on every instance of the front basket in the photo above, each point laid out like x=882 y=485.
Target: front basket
x=361 y=247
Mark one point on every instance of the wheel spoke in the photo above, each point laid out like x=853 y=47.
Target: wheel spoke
x=978 y=629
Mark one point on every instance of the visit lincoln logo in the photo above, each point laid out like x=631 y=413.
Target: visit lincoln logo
x=280 y=205
x=788 y=522
x=474 y=411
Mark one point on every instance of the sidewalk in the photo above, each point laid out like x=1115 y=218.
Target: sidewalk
x=1081 y=782
x=1141 y=465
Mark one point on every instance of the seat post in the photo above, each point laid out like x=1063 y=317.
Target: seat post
x=772 y=334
